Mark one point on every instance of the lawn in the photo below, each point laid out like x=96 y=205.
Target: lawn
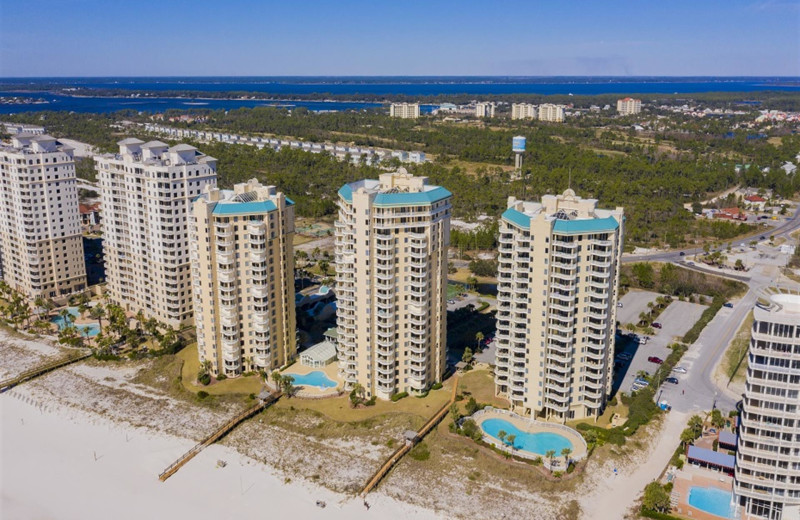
x=480 y=385
x=339 y=409
x=191 y=365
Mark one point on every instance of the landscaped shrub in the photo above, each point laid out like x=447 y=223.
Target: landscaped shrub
x=436 y=386
x=401 y=395
x=204 y=379
x=471 y=429
x=202 y=394
x=371 y=401
x=420 y=452
x=558 y=474
x=222 y=377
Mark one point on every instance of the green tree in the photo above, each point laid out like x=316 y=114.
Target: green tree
x=479 y=338
x=655 y=498
x=467 y=357
x=502 y=436
x=510 y=440
x=98 y=312
x=550 y=454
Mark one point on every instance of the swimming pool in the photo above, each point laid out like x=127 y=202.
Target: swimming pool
x=316 y=378
x=712 y=500
x=539 y=443
x=88 y=329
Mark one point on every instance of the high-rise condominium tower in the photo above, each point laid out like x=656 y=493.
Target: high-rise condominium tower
x=391 y=280
x=556 y=305
x=41 y=248
x=767 y=475
x=146 y=191
x=243 y=278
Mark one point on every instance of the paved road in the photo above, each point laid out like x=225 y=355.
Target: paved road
x=784 y=229
x=697 y=390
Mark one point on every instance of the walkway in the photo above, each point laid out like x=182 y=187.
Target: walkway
x=395 y=457
x=215 y=436
x=10 y=383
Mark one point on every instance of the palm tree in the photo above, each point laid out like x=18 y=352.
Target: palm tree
x=550 y=454
x=502 y=436
x=277 y=379
x=140 y=319
x=287 y=382
x=479 y=338
x=97 y=312
x=66 y=317
x=510 y=440
x=566 y=452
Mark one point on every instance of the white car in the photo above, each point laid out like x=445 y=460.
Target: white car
x=679 y=370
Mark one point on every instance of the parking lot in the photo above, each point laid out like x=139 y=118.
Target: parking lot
x=676 y=320
x=633 y=304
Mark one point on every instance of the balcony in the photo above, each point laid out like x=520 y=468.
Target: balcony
x=258 y=255
x=259 y=291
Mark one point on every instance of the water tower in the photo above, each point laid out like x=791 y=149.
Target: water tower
x=518 y=147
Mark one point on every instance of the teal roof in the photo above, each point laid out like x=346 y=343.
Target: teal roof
x=517 y=218
x=241 y=208
x=592 y=225
x=346 y=192
x=401 y=199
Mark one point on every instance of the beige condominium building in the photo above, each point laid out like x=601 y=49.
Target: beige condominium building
x=523 y=111
x=767 y=475
x=243 y=278
x=485 y=109
x=629 y=106
x=392 y=237
x=404 y=110
x=551 y=112
x=41 y=248
x=558 y=274
x=146 y=191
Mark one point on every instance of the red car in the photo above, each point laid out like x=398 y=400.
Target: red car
x=656 y=360
x=657 y=325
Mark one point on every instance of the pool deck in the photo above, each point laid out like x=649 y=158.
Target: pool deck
x=691 y=476
x=529 y=425
x=314 y=392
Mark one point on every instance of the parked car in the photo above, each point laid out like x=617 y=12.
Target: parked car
x=679 y=370
x=624 y=356
x=728 y=305
x=682 y=253
x=655 y=359
x=640 y=381
x=656 y=325
x=672 y=380
x=664 y=405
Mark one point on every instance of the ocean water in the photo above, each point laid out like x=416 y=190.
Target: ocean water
x=286 y=87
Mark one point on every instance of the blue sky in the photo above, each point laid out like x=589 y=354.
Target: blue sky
x=290 y=37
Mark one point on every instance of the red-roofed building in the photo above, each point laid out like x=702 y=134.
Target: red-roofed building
x=90 y=214
x=756 y=202
x=732 y=214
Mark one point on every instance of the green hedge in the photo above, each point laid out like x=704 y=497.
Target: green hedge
x=708 y=314
x=397 y=397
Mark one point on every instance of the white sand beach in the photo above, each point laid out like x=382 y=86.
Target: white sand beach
x=61 y=463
